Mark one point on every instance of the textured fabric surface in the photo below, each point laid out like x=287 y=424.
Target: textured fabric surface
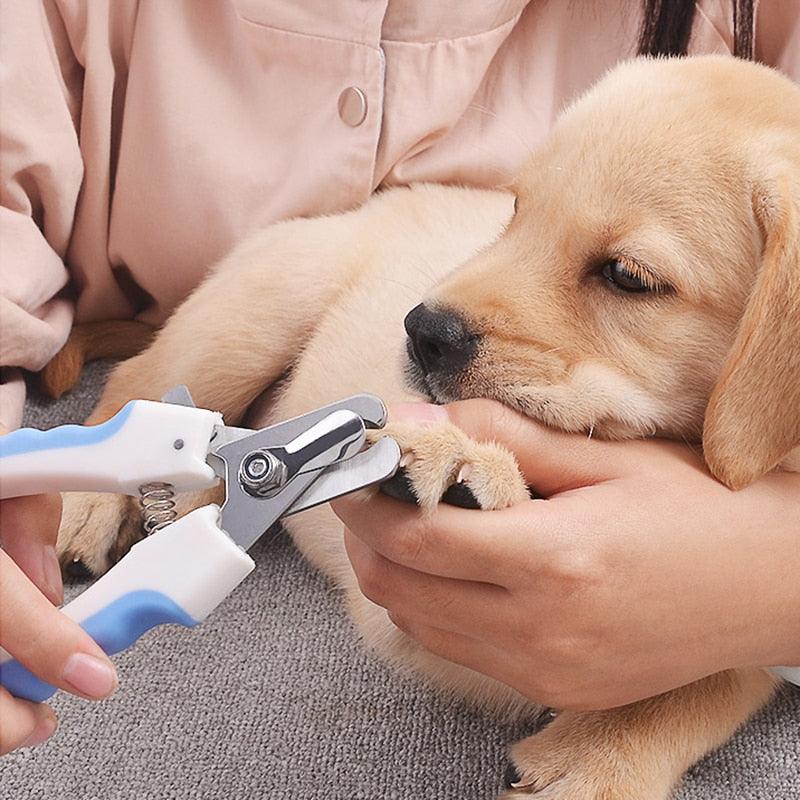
x=273 y=697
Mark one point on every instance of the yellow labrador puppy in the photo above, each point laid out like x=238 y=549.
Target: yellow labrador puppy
x=643 y=279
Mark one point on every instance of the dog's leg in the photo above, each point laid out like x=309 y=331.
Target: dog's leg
x=233 y=337
x=639 y=751
x=246 y=324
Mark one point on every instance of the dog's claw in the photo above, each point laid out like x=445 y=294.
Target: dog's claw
x=77 y=570
x=511 y=777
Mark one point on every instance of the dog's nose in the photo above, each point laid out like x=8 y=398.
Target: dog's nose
x=440 y=339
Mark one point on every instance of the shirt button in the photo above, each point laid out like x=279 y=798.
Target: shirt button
x=352 y=106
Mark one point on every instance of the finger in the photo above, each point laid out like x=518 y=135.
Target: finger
x=551 y=461
x=460 y=606
x=46 y=641
x=23 y=724
x=451 y=542
x=28 y=530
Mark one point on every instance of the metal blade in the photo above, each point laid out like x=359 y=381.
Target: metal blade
x=372 y=466
x=338 y=436
x=255 y=503
x=246 y=517
x=179 y=396
x=370 y=408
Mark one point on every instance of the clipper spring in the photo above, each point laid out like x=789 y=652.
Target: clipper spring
x=158 y=506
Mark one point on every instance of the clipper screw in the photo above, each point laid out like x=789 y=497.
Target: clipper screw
x=261 y=473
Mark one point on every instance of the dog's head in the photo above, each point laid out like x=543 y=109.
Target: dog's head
x=649 y=280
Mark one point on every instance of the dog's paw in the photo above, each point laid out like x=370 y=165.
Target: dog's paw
x=575 y=758
x=96 y=531
x=442 y=462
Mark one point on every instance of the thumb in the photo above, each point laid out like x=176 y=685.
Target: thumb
x=551 y=461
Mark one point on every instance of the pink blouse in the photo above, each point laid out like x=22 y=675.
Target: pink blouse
x=141 y=139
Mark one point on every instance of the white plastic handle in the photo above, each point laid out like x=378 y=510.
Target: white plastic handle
x=178 y=575
x=145 y=442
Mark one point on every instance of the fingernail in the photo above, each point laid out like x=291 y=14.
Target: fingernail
x=52 y=575
x=44 y=729
x=90 y=675
x=421 y=413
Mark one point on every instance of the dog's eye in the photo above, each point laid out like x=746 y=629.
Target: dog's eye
x=516 y=201
x=616 y=273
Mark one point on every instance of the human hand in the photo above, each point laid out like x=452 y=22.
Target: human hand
x=32 y=630
x=639 y=574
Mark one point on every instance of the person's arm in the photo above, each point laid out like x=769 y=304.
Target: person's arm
x=40 y=176
x=639 y=574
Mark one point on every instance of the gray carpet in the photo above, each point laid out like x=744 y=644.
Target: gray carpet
x=272 y=697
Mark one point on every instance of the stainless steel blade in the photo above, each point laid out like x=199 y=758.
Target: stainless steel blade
x=369 y=407
x=179 y=396
x=375 y=465
x=245 y=517
x=339 y=435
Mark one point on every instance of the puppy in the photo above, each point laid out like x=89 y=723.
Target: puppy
x=642 y=278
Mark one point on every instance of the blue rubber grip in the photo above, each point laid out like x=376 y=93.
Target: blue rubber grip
x=115 y=628
x=28 y=440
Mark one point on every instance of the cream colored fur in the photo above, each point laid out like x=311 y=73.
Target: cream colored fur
x=688 y=170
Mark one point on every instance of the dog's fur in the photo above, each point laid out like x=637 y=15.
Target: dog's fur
x=686 y=171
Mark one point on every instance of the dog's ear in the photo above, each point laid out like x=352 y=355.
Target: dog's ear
x=752 y=421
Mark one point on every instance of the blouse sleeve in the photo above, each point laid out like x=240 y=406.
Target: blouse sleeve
x=778 y=36
x=40 y=177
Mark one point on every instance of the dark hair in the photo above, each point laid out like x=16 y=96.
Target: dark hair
x=667 y=26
